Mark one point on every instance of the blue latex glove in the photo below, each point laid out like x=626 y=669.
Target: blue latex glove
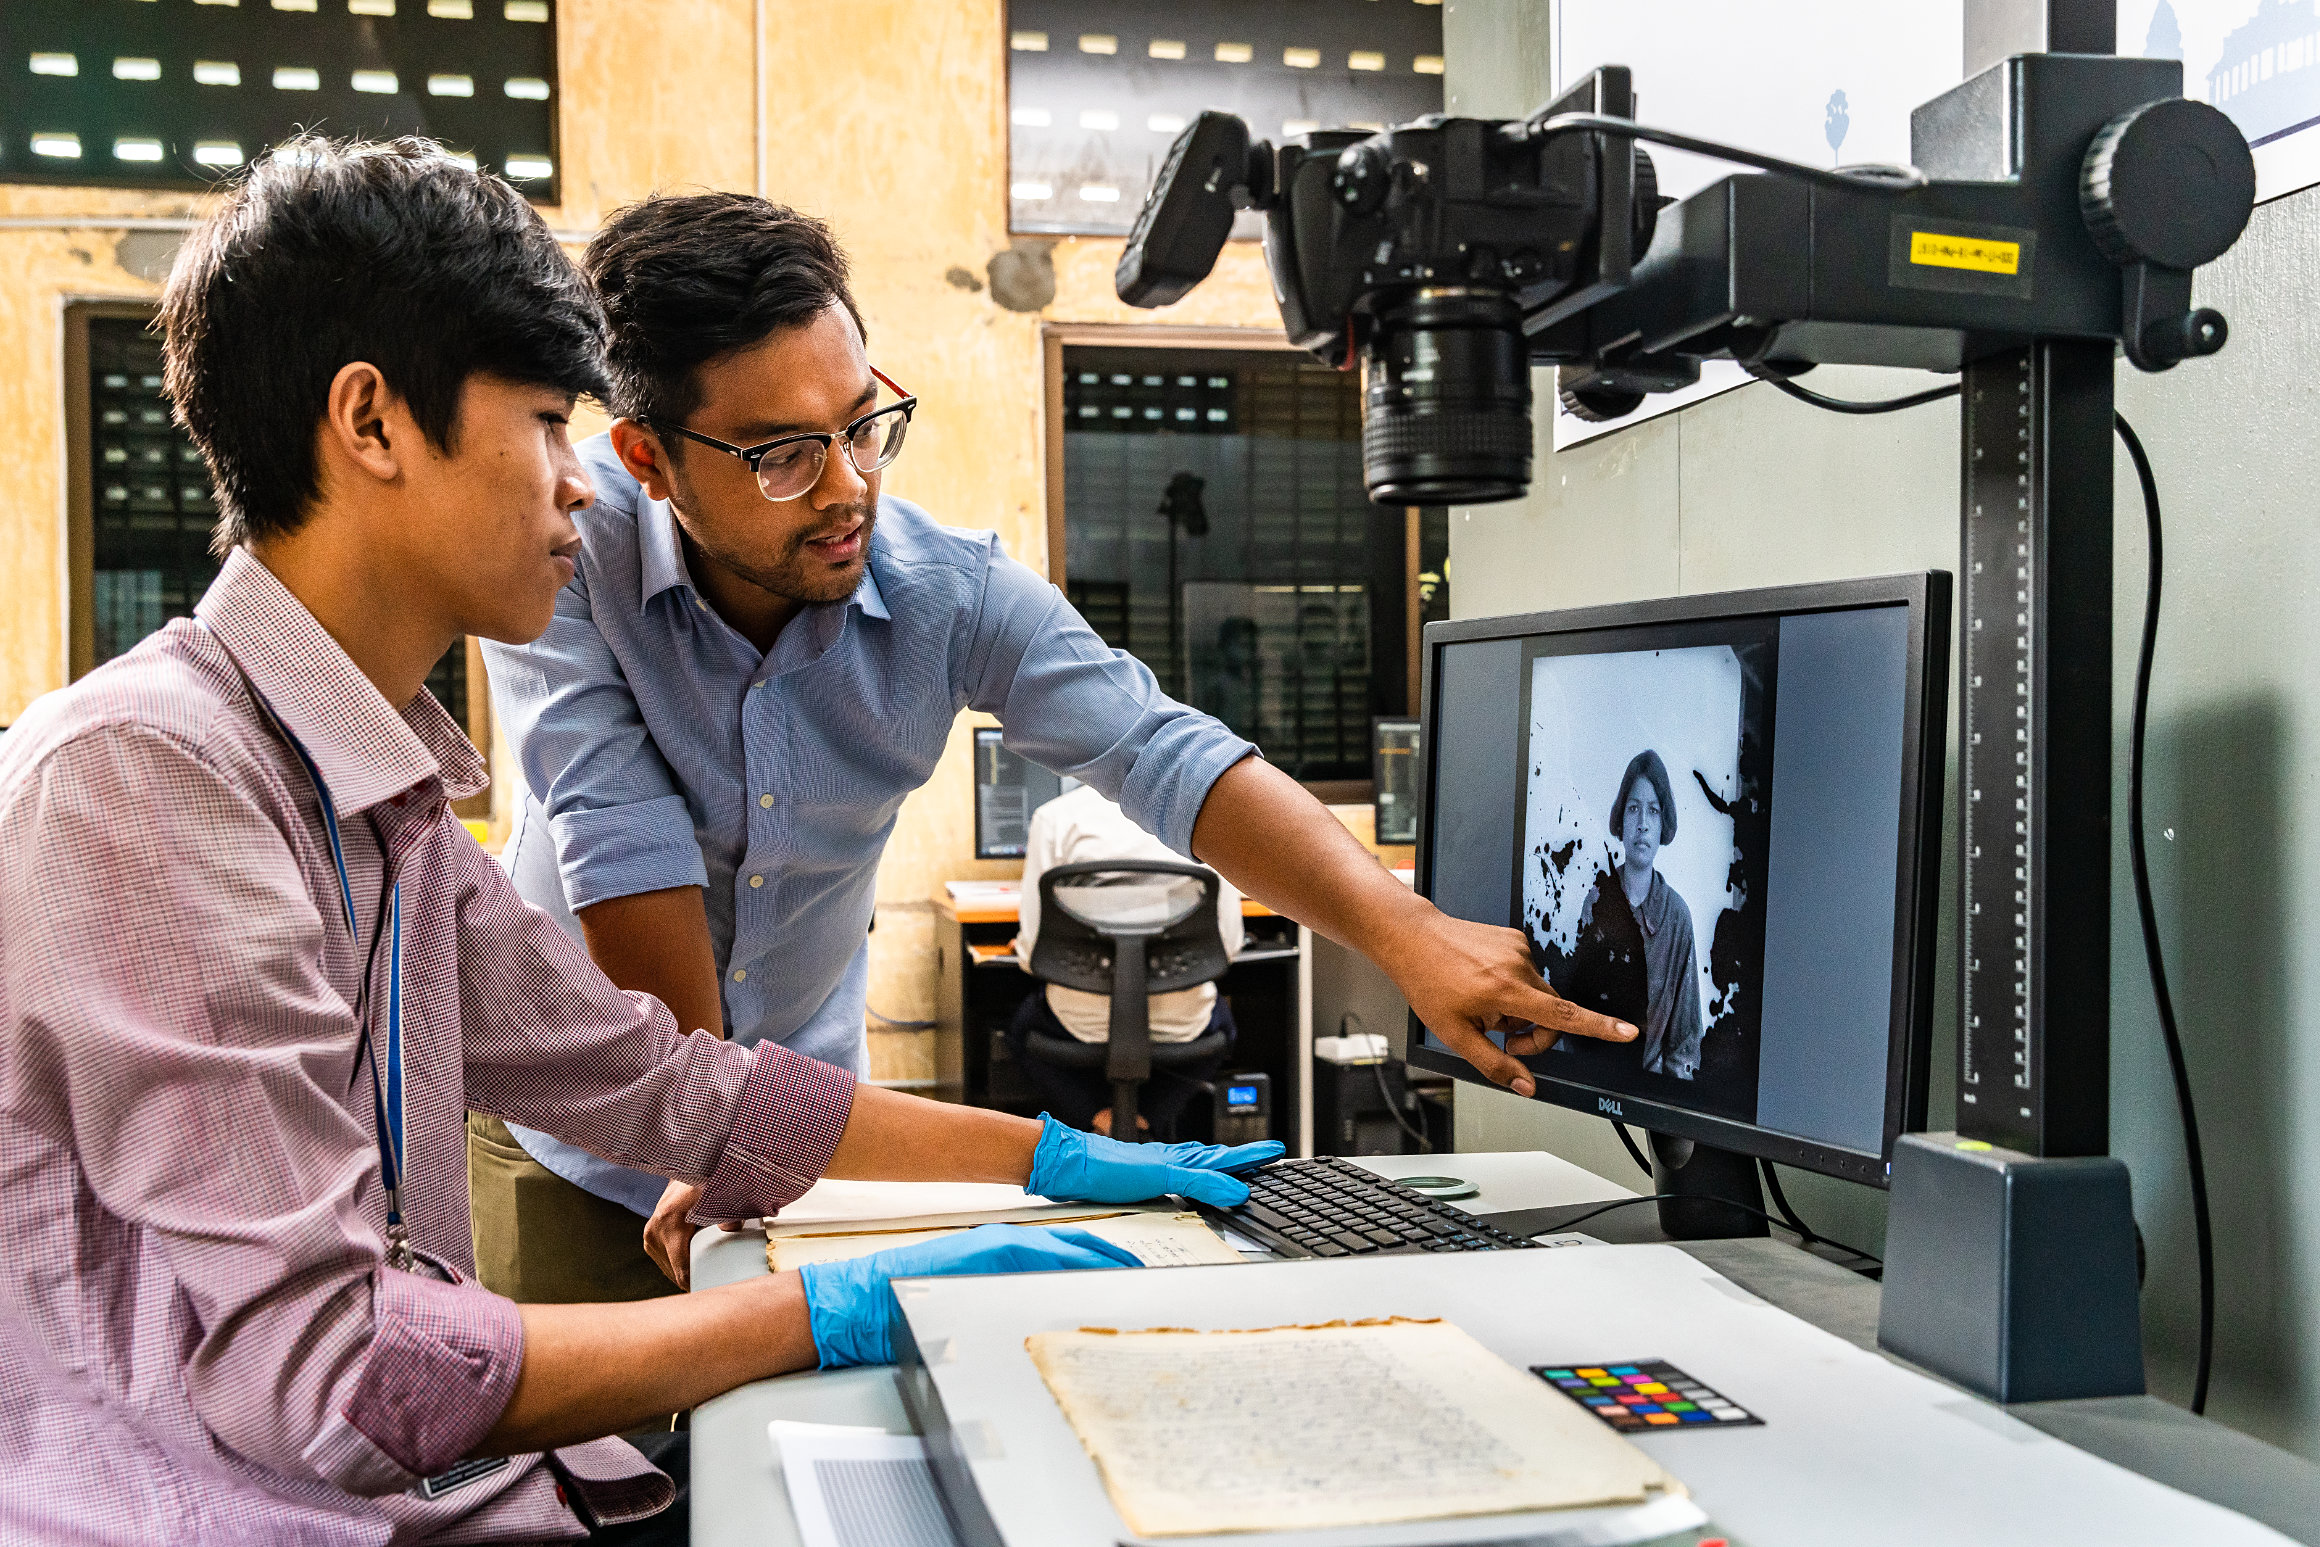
x=850 y=1306
x=1069 y=1164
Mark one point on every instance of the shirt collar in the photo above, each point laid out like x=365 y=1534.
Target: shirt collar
x=661 y=560
x=660 y=556
x=366 y=749
x=867 y=595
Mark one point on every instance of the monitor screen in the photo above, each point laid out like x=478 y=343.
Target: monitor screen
x=1393 y=752
x=1008 y=788
x=1713 y=818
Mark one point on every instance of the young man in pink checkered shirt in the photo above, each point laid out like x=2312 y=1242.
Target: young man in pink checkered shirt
x=253 y=972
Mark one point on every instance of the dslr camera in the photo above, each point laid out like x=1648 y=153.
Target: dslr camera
x=1430 y=251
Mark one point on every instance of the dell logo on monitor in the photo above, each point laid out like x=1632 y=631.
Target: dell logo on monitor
x=1609 y=1106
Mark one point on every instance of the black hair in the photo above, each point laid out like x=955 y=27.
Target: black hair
x=687 y=279
x=327 y=252
x=1646 y=765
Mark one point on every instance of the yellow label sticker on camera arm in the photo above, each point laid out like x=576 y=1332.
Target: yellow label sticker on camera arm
x=1935 y=249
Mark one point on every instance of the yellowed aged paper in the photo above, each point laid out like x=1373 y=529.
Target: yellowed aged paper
x=1157 y=1240
x=1309 y=1428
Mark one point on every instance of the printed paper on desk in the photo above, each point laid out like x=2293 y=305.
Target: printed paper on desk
x=829 y=1201
x=862 y=1490
x=1158 y=1240
x=1339 y=1425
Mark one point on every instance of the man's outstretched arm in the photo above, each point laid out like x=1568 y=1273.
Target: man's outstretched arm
x=1262 y=831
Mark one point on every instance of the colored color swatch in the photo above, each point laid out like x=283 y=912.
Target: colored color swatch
x=1640 y=1396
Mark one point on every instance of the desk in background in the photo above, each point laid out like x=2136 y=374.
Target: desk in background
x=979 y=986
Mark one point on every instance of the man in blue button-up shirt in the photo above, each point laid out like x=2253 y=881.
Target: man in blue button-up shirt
x=761 y=656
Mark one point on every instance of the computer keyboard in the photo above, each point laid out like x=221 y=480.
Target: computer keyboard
x=1329 y=1207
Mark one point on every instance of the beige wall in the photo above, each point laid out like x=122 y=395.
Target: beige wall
x=886 y=118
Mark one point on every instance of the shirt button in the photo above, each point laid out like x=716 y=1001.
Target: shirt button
x=756 y=881
x=765 y=800
x=741 y=974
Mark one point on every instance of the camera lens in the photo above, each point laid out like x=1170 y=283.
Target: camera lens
x=1449 y=420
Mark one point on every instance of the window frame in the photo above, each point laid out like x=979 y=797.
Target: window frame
x=1055 y=337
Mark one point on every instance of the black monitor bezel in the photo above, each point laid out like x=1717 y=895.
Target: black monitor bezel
x=975 y=788
x=1925 y=746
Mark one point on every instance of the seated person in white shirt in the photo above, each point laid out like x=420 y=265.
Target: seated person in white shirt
x=1081 y=826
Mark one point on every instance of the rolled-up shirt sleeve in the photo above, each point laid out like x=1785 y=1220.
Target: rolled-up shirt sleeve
x=552 y=1044
x=621 y=822
x=198 y=1084
x=1072 y=703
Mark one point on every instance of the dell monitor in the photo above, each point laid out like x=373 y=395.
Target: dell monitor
x=1717 y=818
x=1008 y=788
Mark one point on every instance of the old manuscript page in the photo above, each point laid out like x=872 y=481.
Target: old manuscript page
x=1158 y=1240
x=1337 y=1425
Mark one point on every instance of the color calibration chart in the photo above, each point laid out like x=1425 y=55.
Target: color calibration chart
x=1644 y=1394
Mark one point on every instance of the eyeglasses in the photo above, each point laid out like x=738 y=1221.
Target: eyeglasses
x=791 y=465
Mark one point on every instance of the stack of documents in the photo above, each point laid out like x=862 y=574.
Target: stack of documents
x=1158 y=1238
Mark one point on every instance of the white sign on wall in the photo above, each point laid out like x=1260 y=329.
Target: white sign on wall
x=1830 y=82
x=2258 y=60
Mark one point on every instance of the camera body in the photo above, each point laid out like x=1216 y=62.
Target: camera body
x=1427 y=250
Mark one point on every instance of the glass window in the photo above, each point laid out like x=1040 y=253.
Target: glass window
x=1216 y=528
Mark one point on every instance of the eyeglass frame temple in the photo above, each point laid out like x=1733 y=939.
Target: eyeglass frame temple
x=751 y=456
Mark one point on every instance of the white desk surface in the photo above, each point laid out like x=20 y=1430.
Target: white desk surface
x=738 y=1497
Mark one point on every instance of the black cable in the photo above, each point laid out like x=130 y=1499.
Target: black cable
x=1392 y=1106
x=1378 y=1069
x=1628 y=1139
x=1838 y=405
x=1663 y=1197
x=888 y=1020
x=1780 y=1202
x=1871 y=179
x=2194 y=1161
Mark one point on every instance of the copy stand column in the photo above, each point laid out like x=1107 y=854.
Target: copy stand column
x=2010 y=1244
x=2035 y=679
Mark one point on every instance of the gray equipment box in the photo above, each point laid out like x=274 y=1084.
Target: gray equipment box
x=2012 y=1275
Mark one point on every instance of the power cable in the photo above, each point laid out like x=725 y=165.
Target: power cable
x=1377 y=1069
x=1725 y=1203
x=1780 y=1202
x=1858 y=179
x=1633 y=1150
x=1838 y=405
x=2194 y=1161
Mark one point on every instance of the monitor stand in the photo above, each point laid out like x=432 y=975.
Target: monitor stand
x=1706 y=1182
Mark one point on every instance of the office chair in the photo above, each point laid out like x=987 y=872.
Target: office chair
x=1132 y=928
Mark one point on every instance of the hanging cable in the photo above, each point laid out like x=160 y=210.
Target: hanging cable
x=1780 y=1202
x=2194 y=1161
x=1722 y=1203
x=1851 y=179
x=1628 y=1139
x=1838 y=405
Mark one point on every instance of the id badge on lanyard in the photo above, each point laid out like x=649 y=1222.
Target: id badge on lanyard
x=386 y=1084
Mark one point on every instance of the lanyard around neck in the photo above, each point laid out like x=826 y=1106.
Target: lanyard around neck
x=386 y=1087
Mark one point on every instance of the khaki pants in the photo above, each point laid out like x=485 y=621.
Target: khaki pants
x=541 y=1240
